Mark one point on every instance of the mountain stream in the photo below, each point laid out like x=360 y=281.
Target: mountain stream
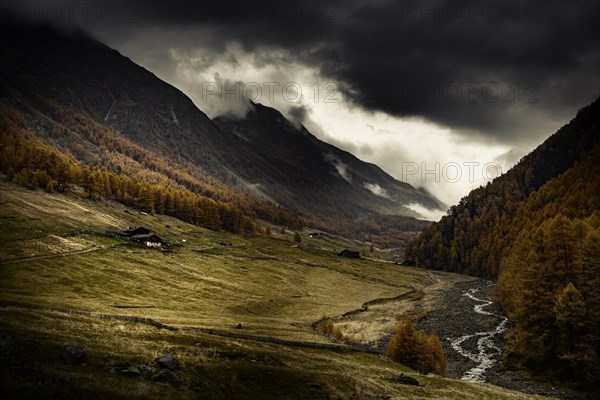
x=486 y=350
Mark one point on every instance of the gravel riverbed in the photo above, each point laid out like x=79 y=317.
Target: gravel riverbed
x=479 y=340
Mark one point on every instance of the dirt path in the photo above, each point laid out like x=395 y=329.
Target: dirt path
x=64 y=254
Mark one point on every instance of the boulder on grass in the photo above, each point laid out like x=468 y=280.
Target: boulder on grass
x=405 y=380
x=168 y=361
x=166 y=376
x=73 y=354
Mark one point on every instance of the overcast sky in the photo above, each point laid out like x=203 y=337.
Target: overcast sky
x=408 y=85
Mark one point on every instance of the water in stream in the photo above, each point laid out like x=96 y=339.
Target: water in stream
x=485 y=357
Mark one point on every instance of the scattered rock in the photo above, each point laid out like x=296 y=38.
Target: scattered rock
x=404 y=379
x=73 y=354
x=130 y=369
x=313 y=385
x=199 y=386
x=168 y=361
x=166 y=376
x=146 y=369
x=120 y=366
x=349 y=254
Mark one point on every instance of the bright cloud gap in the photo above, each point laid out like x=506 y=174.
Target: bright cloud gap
x=224 y=83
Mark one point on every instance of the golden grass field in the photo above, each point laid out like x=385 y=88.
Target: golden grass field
x=210 y=280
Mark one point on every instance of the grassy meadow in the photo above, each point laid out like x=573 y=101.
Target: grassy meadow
x=254 y=286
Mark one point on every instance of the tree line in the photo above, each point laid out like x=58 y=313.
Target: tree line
x=549 y=281
x=472 y=238
x=31 y=162
x=537 y=230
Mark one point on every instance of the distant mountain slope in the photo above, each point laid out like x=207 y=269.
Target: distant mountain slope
x=55 y=79
x=317 y=176
x=86 y=76
x=474 y=237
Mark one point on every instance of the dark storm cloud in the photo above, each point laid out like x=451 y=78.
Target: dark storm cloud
x=501 y=70
x=469 y=68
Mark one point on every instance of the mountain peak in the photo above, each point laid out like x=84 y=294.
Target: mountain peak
x=295 y=148
x=264 y=153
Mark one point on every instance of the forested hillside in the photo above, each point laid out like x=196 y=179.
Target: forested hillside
x=536 y=229
x=83 y=98
x=549 y=283
x=476 y=234
x=142 y=179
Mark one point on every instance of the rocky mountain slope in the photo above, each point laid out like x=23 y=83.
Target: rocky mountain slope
x=50 y=77
x=315 y=175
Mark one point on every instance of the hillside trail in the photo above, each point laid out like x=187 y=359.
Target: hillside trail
x=63 y=254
